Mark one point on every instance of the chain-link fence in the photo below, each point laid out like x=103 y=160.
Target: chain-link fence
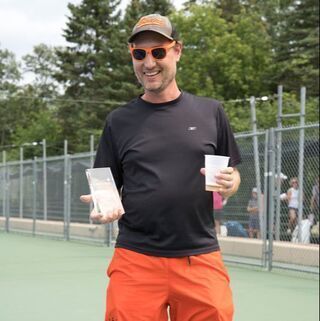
x=287 y=219
x=41 y=196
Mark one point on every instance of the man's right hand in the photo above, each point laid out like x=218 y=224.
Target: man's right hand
x=99 y=217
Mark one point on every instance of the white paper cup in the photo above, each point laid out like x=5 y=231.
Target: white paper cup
x=213 y=164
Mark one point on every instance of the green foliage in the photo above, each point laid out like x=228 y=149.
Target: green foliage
x=9 y=76
x=94 y=68
x=163 y=7
x=294 y=28
x=17 y=110
x=22 y=105
x=229 y=8
x=9 y=69
x=267 y=112
x=42 y=125
x=42 y=63
x=239 y=115
x=133 y=12
x=223 y=59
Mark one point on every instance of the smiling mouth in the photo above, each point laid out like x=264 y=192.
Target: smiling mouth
x=151 y=74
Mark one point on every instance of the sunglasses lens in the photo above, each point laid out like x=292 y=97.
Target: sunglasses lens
x=159 y=53
x=139 y=54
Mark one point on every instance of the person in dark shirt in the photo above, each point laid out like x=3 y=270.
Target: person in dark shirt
x=166 y=257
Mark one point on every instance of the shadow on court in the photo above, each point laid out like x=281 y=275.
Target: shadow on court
x=51 y=280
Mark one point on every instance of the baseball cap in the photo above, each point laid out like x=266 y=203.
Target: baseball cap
x=254 y=190
x=282 y=176
x=156 y=23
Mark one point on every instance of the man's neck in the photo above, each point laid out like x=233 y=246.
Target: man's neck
x=162 y=97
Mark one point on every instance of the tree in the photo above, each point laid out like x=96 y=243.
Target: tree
x=133 y=12
x=163 y=7
x=10 y=74
x=297 y=47
x=42 y=125
x=90 y=30
x=18 y=110
x=229 y=8
x=22 y=106
x=91 y=67
x=294 y=29
x=222 y=59
x=42 y=64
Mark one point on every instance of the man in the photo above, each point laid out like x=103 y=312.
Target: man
x=167 y=254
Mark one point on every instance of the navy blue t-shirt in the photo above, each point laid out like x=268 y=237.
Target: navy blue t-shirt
x=155 y=152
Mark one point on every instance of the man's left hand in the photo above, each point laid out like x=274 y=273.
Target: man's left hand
x=228 y=179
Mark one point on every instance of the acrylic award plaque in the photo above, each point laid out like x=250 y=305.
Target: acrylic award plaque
x=103 y=189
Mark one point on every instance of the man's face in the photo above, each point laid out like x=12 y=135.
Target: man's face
x=154 y=75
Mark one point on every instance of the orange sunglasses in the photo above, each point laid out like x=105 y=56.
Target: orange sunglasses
x=158 y=52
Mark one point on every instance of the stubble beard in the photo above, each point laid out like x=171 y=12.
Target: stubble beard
x=156 y=87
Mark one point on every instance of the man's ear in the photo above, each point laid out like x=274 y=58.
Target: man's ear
x=178 y=48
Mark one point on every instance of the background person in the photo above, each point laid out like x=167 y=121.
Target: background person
x=167 y=253
x=281 y=179
x=253 y=210
x=314 y=203
x=293 y=204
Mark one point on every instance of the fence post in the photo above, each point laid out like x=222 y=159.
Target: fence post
x=265 y=200
x=69 y=178
x=278 y=158
x=66 y=194
x=21 y=184
x=3 y=178
x=91 y=166
x=256 y=157
x=301 y=157
x=34 y=196
x=108 y=234
x=91 y=150
x=44 y=159
x=5 y=193
x=271 y=195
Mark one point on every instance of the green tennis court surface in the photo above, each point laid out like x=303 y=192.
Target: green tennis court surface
x=51 y=280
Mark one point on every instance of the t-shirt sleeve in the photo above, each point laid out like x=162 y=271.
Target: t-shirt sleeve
x=107 y=154
x=226 y=144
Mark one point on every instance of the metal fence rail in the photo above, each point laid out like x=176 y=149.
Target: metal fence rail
x=41 y=196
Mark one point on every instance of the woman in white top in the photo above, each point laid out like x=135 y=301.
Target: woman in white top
x=293 y=203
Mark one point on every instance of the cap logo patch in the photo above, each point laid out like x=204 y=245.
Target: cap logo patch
x=144 y=21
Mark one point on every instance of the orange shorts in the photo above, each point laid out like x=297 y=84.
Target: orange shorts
x=148 y=288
